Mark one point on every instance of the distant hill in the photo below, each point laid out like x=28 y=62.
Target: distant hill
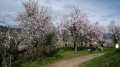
x=108 y=36
x=5 y=28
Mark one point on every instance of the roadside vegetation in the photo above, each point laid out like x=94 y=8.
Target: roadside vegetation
x=63 y=53
x=110 y=59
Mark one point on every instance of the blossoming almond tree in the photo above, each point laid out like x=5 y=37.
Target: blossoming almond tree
x=114 y=29
x=78 y=20
x=97 y=31
x=9 y=46
x=64 y=31
x=36 y=22
x=80 y=28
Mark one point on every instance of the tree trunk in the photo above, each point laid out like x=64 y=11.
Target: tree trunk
x=37 y=52
x=33 y=51
x=65 y=45
x=85 y=45
x=4 y=59
x=10 y=64
x=75 y=47
x=54 y=47
x=5 y=62
x=74 y=44
x=81 y=45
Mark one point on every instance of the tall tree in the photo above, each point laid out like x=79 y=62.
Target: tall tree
x=36 y=22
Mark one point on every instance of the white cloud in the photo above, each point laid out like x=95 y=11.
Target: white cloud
x=97 y=10
x=111 y=15
x=8 y=14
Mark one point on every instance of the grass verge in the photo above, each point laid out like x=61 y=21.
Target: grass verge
x=61 y=54
x=110 y=59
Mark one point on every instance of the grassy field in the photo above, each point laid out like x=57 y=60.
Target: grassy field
x=110 y=59
x=61 y=54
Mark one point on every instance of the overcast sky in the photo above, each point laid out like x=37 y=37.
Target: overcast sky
x=98 y=10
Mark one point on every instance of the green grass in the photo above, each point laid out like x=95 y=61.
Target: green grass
x=110 y=59
x=61 y=54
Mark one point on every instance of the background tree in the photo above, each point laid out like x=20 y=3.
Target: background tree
x=64 y=30
x=78 y=19
x=114 y=29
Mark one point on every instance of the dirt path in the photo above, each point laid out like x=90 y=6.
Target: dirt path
x=73 y=62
